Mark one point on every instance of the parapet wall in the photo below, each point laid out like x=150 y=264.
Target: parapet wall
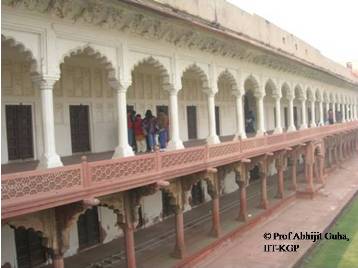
x=257 y=28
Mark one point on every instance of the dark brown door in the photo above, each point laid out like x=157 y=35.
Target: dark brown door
x=217 y=120
x=29 y=249
x=88 y=228
x=19 y=131
x=163 y=108
x=192 y=125
x=285 y=111
x=167 y=207
x=80 y=137
x=295 y=116
x=197 y=195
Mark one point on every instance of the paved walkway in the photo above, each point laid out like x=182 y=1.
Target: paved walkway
x=302 y=215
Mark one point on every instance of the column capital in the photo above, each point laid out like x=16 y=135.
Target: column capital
x=45 y=82
x=259 y=94
x=120 y=86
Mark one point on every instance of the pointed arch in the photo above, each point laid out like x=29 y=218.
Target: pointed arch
x=251 y=82
x=228 y=76
x=158 y=66
x=21 y=48
x=198 y=72
x=271 y=84
x=286 y=90
x=88 y=50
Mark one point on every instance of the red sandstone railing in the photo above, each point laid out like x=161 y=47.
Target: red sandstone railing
x=31 y=191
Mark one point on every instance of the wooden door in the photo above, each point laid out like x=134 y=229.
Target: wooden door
x=29 y=249
x=192 y=122
x=88 y=228
x=80 y=128
x=295 y=117
x=217 y=120
x=167 y=208
x=285 y=111
x=197 y=195
x=163 y=108
x=19 y=131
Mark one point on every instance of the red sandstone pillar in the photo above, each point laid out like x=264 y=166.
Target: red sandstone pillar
x=309 y=177
x=58 y=261
x=294 y=173
x=130 y=249
x=280 y=182
x=179 y=250
x=243 y=202
x=264 y=201
x=216 y=229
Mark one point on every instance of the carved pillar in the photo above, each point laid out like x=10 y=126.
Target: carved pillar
x=123 y=148
x=343 y=113
x=334 y=111
x=260 y=114
x=242 y=180
x=212 y=138
x=313 y=113
x=321 y=117
x=49 y=158
x=291 y=122
x=175 y=190
x=128 y=227
x=175 y=141
x=278 y=128
x=303 y=113
x=309 y=160
x=279 y=161
x=214 y=192
x=240 y=131
x=327 y=111
x=263 y=175
x=294 y=171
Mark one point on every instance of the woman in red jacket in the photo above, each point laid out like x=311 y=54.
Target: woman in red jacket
x=139 y=134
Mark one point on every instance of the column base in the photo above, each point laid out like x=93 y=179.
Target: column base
x=50 y=162
x=240 y=136
x=304 y=126
x=123 y=151
x=313 y=125
x=175 y=145
x=260 y=133
x=291 y=129
x=277 y=130
x=213 y=139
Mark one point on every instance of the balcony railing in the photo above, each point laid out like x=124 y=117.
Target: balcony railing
x=31 y=191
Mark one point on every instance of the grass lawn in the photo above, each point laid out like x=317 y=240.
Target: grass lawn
x=338 y=253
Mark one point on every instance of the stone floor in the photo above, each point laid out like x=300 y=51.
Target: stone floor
x=302 y=215
x=154 y=244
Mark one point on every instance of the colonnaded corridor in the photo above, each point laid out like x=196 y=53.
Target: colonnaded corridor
x=302 y=215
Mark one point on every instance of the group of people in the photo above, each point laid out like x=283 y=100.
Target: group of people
x=143 y=133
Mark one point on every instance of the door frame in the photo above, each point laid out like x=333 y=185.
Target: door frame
x=90 y=119
x=33 y=122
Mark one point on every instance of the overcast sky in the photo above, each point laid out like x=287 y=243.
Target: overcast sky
x=330 y=25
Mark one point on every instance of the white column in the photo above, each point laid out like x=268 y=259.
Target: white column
x=123 y=148
x=291 y=123
x=175 y=141
x=260 y=115
x=240 y=127
x=212 y=138
x=313 y=114
x=278 y=128
x=343 y=112
x=327 y=112
x=303 y=113
x=334 y=112
x=321 y=119
x=49 y=158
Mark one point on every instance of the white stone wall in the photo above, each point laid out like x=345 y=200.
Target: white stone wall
x=8 y=249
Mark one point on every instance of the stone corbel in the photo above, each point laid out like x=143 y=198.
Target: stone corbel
x=176 y=194
x=213 y=182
